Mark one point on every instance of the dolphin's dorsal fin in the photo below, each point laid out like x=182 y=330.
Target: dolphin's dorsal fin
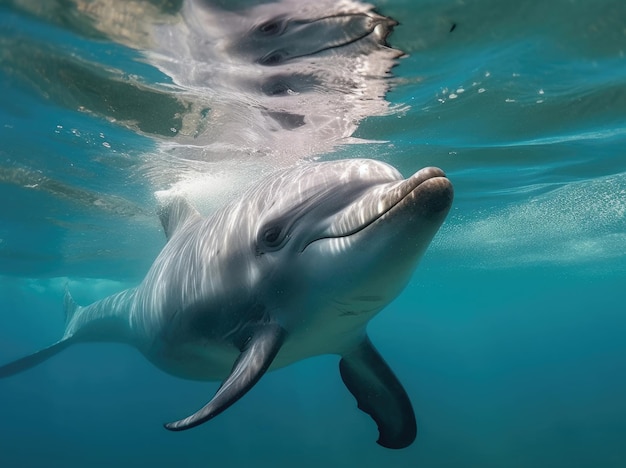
x=69 y=305
x=255 y=358
x=175 y=213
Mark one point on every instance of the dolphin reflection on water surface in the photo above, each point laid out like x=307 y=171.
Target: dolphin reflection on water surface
x=241 y=82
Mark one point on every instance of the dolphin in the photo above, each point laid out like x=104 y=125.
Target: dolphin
x=295 y=267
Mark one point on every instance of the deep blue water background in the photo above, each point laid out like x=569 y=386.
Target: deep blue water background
x=509 y=338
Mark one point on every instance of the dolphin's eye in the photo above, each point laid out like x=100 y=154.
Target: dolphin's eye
x=272 y=237
x=271 y=28
x=273 y=58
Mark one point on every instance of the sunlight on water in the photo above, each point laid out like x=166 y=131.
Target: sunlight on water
x=582 y=222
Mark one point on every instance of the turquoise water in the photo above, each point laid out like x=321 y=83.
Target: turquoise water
x=509 y=338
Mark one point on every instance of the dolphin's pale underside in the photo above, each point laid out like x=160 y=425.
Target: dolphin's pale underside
x=296 y=267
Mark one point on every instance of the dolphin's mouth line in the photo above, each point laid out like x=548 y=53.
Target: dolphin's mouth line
x=412 y=189
x=274 y=57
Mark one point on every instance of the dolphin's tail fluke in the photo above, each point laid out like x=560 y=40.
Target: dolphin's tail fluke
x=104 y=320
x=33 y=359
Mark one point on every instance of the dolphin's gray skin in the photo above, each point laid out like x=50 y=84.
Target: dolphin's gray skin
x=296 y=267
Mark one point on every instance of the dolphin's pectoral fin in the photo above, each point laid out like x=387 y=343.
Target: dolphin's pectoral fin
x=254 y=360
x=32 y=360
x=379 y=393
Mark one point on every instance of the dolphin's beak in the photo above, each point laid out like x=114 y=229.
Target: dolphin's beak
x=306 y=38
x=427 y=194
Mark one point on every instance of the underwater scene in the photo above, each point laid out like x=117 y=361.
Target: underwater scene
x=195 y=192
